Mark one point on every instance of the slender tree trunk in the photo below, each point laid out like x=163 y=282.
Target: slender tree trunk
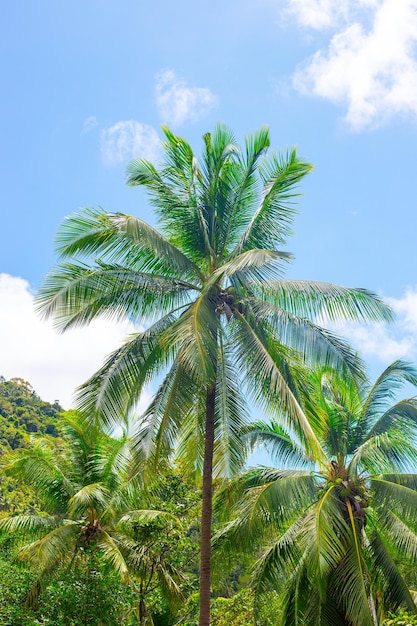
x=206 y=513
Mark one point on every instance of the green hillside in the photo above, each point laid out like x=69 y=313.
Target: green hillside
x=23 y=413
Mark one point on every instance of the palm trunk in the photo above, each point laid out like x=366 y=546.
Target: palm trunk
x=206 y=512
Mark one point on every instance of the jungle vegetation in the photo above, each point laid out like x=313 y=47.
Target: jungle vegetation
x=223 y=336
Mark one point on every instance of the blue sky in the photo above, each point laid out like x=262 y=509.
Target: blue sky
x=87 y=85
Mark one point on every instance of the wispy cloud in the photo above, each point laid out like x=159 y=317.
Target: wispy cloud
x=54 y=364
x=128 y=139
x=370 y=63
x=318 y=13
x=178 y=102
x=90 y=123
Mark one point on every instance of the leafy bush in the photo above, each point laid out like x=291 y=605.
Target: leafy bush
x=87 y=596
x=239 y=610
x=401 y=619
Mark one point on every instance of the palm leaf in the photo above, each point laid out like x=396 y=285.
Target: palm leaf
x=244 y=185
x=351 y=578
x=267 y=376
x=322 y=542
x=122 y=239
x=316 y=344
x=112 y=391
x=325 y=300
x=385 y=389
x=395 y=590
x=194 y=335
x=395 y=496
x=403 y=536
x=284 y=450
x=75 y=294
x=270 y=223
x=90 y=498
x=160 y=424
x=112 y=553
x=390 y=451
x=230 y=416
x=402 y=415
x=29 y=524
x=54 y=547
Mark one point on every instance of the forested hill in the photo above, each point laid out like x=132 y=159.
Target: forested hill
x=22 y=413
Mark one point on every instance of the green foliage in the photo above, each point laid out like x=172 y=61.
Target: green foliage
x=23 y=417
x=334 y=525
x=237 y=610
x=88 y=595
x=208 y=288
x=401 y=619
x=23 y=413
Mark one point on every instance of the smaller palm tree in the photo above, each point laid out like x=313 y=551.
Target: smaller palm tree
x=333 y=527
x=91 y=504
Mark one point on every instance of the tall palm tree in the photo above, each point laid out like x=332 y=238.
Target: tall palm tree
x=208 y=288
x=90 y=504
x=336 y=524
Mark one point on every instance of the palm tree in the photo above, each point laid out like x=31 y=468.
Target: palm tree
x=335 y=524
x=208 y=287
x=91 y=506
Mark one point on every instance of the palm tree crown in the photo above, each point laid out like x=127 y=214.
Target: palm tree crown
x=90 y=503
x=209 y=289
x=337 y=522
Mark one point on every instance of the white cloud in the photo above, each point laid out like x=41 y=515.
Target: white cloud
x=89 y=124
x=370 y=64
x=129 y=139
x=54 y=364
x=179 y=103
x=387 y=342
x=318 y=13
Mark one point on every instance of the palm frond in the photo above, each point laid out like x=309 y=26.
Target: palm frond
x=401 y=416
x=230 y=417
x=122 y=239
x=115 y=388
x=298 y=596
x=160 y=426
x=194 y=336
x=351 y=578
x=395 y=496
x=89 y=498
x=29 y=524
x=75 y=293
x=173 y=193
x=401 y=535
x=270 y=223
x=244 y=191
x=284 y=450
x=144 y=516
x=271 y=499
x=391 y=451
x=322 y=543
x=112 y=553
x=252 y=267
x=384 y=390
x=316 y=344
x=278 y=562
x=260 y=360
x=320 y=300
x=55 y=547
x=37 y=466
x=395 y=590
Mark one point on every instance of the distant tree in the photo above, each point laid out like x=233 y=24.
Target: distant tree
x=91 y=507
